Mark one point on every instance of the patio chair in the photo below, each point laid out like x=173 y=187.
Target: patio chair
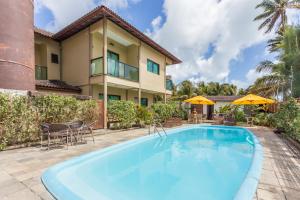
x=218 y=119
x=88 y=129
x=54 y=131
x=249 y=121
x=229 y=120
x=75 y=128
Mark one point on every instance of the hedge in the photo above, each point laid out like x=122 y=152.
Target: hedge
x=20 y=116
x=123 y=112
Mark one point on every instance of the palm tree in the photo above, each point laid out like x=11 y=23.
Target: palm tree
x=281 y=77
x=185 y=89
x=275 y=12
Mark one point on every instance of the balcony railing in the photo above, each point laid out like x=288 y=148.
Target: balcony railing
x=169 y=85
x=96 y=66
x=122 y=70
x=41 y=72
x=115 y=68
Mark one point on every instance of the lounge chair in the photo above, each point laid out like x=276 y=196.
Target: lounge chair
x=56 y=132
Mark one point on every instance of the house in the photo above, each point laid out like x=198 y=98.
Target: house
x=220 y=101
x=103 y=56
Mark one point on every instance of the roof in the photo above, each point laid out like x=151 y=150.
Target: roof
x=43 y=32
x=99 y=13
x=56 y=85
x=223 y=98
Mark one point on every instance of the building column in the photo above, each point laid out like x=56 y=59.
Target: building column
x=105 y=72
x=140 y=77
x=89 y=62
x=140 y=96
x=165 y=97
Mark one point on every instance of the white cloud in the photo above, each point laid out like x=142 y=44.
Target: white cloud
x=192 y=26
x=293 y=16
x=67 y=11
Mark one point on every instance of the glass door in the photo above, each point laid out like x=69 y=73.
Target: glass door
x=113 y=63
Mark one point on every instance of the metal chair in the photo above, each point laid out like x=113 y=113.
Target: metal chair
x=75 y=128
x=88 y=129
x=55 y=131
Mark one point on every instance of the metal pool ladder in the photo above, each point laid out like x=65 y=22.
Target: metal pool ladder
x=155 y=130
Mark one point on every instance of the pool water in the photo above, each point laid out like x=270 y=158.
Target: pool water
x=198 y=162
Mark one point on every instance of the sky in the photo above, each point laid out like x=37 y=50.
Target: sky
x=217 y=40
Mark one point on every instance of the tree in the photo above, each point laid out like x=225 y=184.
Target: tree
x=275 y=13
x=281 y=77
x=185 y=88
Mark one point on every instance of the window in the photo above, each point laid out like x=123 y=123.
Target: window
x=41 y=73
x=110 y=97
x=144 y=102
x=54 y=58
x=152 y=67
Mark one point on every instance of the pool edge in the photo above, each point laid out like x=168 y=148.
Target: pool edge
x=245 y=192
x=249 y=186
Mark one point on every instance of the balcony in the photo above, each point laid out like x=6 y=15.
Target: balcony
x=115 y=68
x=97 y=66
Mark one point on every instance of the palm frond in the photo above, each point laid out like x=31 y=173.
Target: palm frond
x=263 y=15
x=267 y=4
x=265 y=66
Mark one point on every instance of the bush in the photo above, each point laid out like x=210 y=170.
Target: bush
x=144 y=116
x=19 y=121
x=287 y=117
x=163 y=112
x=21 y=116
x=263 y=119
x=88 y=111
x=122 y=111
x=234 y=110
x=55 y=109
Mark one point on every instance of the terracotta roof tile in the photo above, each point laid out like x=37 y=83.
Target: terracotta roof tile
x=43 y=32
x=56 y=85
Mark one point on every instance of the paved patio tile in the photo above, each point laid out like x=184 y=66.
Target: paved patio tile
x=270 y=195
x=291 y=194
x=21 y=169
x=24 y=194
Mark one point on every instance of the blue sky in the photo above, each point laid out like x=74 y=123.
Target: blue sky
x=215 y=44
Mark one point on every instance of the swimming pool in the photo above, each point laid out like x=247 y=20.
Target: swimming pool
x=195 y=162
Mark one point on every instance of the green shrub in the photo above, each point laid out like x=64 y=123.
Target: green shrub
x=163 y=112
x=56 y=109
x=122 y=111
x=21 y=116
x=234 y=110
x=263 y=119
x=287 y=117
x=20 y=123
x=143 y=116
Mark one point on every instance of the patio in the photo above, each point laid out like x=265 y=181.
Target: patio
x=20 y=169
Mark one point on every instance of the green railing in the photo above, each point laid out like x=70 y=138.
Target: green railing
x=41 y=72
x=96 y=66
x=169 y=85
x=115 y=68
x=122 y=70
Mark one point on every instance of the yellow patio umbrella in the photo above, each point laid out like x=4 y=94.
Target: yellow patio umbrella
x=199 y=100
x=252 y=99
